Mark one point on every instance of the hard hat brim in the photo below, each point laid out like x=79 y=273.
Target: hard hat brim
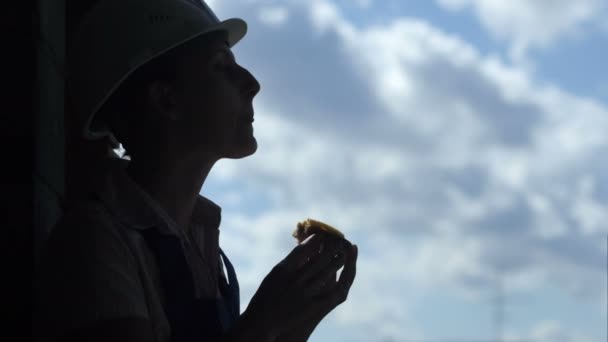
x=236 y=29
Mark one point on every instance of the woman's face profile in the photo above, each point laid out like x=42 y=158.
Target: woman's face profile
x=213 y=101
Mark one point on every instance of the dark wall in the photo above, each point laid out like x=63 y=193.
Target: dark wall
x=19 y=34
x=82 y=157
x=18 y=72
x=20 y=137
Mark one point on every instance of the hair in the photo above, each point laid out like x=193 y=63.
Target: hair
x=125 y=110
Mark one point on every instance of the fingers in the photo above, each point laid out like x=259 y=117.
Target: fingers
x=332 y=255
x=334 y=293
x=350 y=267
x=348 y=275
x=302 y=253
x=325 y=279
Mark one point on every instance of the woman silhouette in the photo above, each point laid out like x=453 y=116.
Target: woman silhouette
x=139 y=259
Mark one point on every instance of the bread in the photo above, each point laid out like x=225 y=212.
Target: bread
x=309 y=226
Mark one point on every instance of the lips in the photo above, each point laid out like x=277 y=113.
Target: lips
x=248 y=115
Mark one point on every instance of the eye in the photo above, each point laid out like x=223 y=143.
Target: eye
x=224 y=61
x=220 y=64
x=227 y=65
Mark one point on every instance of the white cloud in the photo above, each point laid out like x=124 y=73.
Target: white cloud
x=590 y=215
x=446 y=166
x=325 y=15
x=214 y=5
x=364 y=3
x=537 y=23
x=274 y=16
x=549 y=331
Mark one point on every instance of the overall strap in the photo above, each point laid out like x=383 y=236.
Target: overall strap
x=230 y=293
x=191 y=319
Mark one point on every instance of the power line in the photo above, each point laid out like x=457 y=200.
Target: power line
x=499 y=306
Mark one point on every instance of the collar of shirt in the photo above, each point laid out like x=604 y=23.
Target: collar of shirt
x=136 y=209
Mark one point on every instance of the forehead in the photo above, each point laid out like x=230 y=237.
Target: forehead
x=209 y=44
x=199 y=54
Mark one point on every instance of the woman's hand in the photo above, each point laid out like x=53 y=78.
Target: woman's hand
x=302 y=288
x=334 y=293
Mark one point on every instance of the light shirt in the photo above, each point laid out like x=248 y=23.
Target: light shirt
x=96 y=264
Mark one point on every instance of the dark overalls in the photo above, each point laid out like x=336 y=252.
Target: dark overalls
x=192 y=319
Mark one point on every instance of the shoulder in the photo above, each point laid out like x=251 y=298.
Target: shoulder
x=87 y=259
x=90 y=244
x=87 y=238
x=84 y=225
x=85 y=215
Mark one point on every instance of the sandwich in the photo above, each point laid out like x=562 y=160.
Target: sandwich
x=309 y=227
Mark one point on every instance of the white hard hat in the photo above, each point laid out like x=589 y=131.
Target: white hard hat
x=118 y=36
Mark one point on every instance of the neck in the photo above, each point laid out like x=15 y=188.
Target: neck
x=173 y=181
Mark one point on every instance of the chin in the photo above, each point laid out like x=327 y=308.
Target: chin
x=243 y=150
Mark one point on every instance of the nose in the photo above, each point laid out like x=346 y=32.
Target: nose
x=251 y=86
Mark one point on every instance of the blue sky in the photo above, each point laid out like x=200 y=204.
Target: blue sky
x=459 y=143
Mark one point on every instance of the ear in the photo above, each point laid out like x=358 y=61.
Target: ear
x=162 y=101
